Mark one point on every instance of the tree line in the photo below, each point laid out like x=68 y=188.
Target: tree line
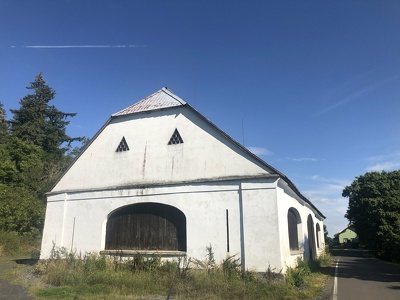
x=34 y=150
x=374 y=212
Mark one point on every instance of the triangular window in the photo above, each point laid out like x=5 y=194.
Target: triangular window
x=123 y=146
x=175 y=138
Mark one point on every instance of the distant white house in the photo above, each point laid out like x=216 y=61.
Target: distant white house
x=159 y=178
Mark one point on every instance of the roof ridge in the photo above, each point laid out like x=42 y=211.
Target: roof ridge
x=163 y=98
x=173 y=95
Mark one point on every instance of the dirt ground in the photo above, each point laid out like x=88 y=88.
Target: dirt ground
x=9 y=290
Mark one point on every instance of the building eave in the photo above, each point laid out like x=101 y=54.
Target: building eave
x=143 y=185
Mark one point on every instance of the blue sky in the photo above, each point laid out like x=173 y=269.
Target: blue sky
x=312 y=87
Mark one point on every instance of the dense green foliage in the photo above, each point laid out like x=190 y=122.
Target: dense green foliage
x=34 y=150
x=3 y=125
x=39 y=122
x=19 y=246
x=374 y=211
x=328 y=240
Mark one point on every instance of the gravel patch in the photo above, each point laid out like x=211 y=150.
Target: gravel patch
x=8 y=289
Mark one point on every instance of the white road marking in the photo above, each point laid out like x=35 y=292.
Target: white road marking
x=335 y=281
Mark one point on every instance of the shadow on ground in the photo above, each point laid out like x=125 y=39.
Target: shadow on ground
x=27 y=261
x=361 y=265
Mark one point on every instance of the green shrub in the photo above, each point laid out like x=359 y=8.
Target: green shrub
x=20 y=211
x=325 y=259
x=296 y=276
x=14 y=244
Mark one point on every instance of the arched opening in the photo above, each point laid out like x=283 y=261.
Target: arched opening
x=294 y=228
x=146 y=226
x=318 y=231
x=311 y=237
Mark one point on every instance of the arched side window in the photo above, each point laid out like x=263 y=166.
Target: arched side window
x=293 y=227
x=311 y=238
x=146 y=226
x=318 y=230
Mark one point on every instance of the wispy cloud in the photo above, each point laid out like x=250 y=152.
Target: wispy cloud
x=78 y=46
x=331 y=181
x=260 y=151
x=387 y=166
x=326 y=190
x=356 y=94
x=387 y=162
x=303 y=159
x=326 y=194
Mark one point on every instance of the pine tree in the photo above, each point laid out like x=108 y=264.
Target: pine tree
x=4 y=133
x=39 y=122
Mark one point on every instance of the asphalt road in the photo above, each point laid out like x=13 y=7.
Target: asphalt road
x=359 y=276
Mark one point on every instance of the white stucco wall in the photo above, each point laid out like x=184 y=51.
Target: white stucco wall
x=204 y=206
x=288 y=199
x=205 y=153
x=203 y=177
x=261 y=232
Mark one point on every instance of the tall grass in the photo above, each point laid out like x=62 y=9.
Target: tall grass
x=92 y=276
x=16 y=245
x=325 y=259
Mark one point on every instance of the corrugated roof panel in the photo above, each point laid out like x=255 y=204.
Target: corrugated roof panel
x=163 y=98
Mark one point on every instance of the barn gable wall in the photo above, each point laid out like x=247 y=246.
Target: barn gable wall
x=226 y=197
x=204 y=153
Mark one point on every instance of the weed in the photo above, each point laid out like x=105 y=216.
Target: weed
x=250 y=276
x=296 y=276
x=210 y=261
x=325 y=259
x=231 y=267
x=92 y=276
x=183 y=264
x=271 y=275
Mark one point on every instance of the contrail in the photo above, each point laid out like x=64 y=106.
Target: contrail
x=79 y=46
x=358 y=94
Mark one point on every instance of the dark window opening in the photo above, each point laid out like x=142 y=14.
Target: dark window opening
x=123 y=145
x=175 y=138
x=146 y=226
x=318 y=230
x=311 y=237
x=293 y=231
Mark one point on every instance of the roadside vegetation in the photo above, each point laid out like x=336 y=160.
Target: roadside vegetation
x=69 y=275
x=15 y=245
x=374 y=212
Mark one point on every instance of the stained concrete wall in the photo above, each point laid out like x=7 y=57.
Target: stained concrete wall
x=78 y=220
x=205 y=153
x=203 y=177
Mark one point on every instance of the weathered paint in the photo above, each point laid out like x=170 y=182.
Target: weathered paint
x=204 y=177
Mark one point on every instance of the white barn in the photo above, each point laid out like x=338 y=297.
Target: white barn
x=159 y=178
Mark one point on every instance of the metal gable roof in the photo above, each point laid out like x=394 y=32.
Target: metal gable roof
x=163 y=98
